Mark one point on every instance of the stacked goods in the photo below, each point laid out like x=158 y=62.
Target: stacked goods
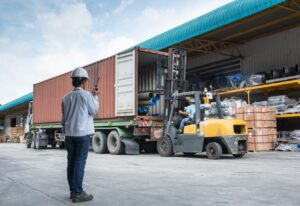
x=16 y=134
x=2 y=138
x=261 y=122
x=282 y=103
x=288 y=141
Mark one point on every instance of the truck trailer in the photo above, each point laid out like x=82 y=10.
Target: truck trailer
x=131 y=103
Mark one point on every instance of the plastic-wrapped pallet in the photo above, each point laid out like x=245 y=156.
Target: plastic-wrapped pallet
x=281 y=103
x=228 y=107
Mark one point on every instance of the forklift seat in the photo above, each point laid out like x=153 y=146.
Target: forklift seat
x=191 y=121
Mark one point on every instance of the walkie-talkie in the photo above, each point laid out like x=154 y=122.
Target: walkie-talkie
x=96 y=85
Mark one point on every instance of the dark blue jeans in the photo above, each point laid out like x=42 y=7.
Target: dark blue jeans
x=78 y=148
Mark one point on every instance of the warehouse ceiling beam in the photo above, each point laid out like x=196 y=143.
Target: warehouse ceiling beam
x=216 y=47
x=210 y=46
x=262 y=26
x=296 y=4
x=235 y=24
x=271 y=32
x=289 y=9
x=201 y=45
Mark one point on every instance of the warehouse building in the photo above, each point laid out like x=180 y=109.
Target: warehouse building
x=250 y=43
x=13 y=119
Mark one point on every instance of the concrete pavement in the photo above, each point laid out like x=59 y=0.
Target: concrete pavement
x=38 y=177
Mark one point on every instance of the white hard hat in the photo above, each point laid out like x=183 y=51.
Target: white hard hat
x=80 y=72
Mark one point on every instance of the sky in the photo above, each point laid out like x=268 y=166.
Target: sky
x=40 y=39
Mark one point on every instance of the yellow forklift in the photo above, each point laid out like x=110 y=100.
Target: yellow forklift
x=214 y=136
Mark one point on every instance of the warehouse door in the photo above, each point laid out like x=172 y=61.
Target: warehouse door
x=125 y=84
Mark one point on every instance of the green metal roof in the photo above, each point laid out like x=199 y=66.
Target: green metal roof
x=16 y=102
x=215 y=19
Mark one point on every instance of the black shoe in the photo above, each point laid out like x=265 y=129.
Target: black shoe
x=83 y=197
x=71 y=195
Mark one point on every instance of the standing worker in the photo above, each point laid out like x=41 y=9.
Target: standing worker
x=78 y=109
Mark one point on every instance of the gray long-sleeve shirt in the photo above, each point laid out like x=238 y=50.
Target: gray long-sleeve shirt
x=78 y=110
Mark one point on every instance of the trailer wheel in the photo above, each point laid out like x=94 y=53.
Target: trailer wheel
x=214 y=150
x=165 y=146
x=28 y=140
x=99 y=143
x=238 y=155
x=33 y=141
x=37 y=142
x=114 y=143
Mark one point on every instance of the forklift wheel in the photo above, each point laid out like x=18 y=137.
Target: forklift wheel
x=165 y=147
x=214 y=150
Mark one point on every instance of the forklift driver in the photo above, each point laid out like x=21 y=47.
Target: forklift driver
x=188 y=112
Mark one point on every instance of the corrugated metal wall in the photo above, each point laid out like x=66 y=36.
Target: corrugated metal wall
x=105 y=70
x=147 y=82
x=47 y=95
x=271 y=52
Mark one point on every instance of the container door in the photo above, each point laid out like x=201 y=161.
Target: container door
x=125 y=84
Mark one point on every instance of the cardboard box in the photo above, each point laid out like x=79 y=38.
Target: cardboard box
x=240 y=110
x=248 y=109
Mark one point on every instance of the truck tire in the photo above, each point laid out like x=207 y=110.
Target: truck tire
x=99 y=143
x=33 y=141
x=214 y=150
x=37 y=142
x=28 y=140
x=165 y=147
x=114 y=143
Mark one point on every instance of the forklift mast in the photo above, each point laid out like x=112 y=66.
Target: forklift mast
x=175 y=80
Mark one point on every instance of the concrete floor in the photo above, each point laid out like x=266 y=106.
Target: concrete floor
x=32 y=177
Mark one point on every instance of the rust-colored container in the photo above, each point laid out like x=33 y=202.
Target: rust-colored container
x=122 y=77
x=47 y=95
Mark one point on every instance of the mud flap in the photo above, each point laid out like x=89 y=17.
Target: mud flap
x=131 y=146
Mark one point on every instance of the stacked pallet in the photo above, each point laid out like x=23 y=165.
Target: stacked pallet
x=2 y=138
x=261 y=122
x=17 y=134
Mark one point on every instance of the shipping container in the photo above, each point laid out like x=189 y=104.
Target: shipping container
x=123 y=79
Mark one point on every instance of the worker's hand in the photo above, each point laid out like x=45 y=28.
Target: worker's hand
x=95 y=91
